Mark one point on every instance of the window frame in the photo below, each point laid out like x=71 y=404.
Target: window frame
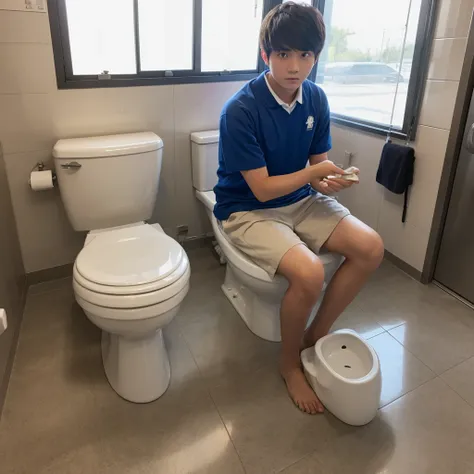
x=67 y=80
x=416 y=85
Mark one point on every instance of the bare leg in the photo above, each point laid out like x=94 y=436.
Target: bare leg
x=363 y=249
x=305 y=274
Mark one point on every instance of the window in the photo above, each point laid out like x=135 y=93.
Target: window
x=115 y=43
x=162 y=22
x=224 y=47
x=368 y=67
x=106 y=43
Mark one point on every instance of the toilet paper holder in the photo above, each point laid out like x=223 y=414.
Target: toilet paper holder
x=41 y=167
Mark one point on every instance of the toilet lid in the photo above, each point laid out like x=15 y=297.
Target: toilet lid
x=129 y=257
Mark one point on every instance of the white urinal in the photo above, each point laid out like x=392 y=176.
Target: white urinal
x=344 y=371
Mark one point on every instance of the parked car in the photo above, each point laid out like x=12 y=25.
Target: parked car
x=361 y=73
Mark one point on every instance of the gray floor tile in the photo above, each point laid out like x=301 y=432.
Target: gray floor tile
x=428 y=431
x=44 y=287
x=360 y=321
x=392 y=298
x=219 y=340
x=401 y=371
x=61 y=416
x=440 y=340
x=461 y=379
x=268 y=431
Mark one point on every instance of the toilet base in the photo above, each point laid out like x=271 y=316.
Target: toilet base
x=260 y=311
x=138 y=369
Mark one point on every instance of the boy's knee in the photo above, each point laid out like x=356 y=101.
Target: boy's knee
x=309 y=280
x=372 y=251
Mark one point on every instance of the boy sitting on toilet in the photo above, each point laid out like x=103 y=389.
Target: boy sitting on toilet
x=274 y=207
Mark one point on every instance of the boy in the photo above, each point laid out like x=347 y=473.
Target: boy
x=274 y=207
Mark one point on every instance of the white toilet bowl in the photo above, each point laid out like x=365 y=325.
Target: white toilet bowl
x=255 y=296
x=344 y=371
x=130 y=282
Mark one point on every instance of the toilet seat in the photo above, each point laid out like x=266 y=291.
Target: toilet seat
x=233 y=254
x=130 y=261
x=137 y=300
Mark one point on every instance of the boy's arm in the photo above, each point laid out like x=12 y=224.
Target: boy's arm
x=266 y=188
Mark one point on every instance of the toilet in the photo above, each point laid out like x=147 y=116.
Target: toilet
x=344 y=371
x=130 y=278
x=254 y=295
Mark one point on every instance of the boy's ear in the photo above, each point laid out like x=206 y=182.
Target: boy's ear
x=264 y=56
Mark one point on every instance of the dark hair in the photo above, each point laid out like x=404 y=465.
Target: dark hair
x=293 y=26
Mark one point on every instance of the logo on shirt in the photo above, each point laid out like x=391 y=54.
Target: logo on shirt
x=310 y=123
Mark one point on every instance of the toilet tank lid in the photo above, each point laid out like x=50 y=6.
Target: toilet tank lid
x=204 y=138
x=107 y=145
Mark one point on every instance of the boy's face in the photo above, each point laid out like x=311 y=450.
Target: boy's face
x=290 y=68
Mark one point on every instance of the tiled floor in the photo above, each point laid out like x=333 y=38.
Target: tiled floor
x=226 y=410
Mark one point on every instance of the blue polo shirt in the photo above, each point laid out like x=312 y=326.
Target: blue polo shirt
x=256 y=131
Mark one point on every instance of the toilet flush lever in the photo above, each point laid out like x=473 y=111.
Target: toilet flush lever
x=71 y=165
x=3 y=321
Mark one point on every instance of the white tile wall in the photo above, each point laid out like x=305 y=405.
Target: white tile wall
x=33 y=115
x=197 y=107
x=446 y=59
x=454 y=17
x=27 y=68
x=382 y=209
x=18 y=27
x=430 y=149
x=438 y=104
x=46 y=238
x=362 y=199
x=26 y=122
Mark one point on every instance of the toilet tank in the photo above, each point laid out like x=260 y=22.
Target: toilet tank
x=205 y=159
x=108 y=181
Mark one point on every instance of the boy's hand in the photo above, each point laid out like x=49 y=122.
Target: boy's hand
x=331 y=185
x=324 y=169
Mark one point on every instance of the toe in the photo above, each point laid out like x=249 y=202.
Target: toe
x=303 y=407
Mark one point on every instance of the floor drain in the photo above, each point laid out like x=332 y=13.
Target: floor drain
x=348 y=367
x=344 y=347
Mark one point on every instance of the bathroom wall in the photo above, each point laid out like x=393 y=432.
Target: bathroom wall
x=382 y=209
x=34 y=114
x=12 y=278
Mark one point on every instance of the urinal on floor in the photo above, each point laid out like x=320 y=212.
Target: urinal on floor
x=344 y=371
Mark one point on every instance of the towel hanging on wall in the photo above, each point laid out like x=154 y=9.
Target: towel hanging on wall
x=397 y=162
x=395 y=171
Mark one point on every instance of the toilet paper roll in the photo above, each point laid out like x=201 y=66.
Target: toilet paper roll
x=41 y=180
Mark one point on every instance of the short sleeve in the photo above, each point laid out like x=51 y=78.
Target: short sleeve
x=239 y=146
x=322 y=142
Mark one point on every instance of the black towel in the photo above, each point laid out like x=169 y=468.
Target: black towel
x=395 y=170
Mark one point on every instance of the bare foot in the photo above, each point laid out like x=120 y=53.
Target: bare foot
x=300 y=391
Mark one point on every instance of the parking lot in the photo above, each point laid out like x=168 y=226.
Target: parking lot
x=371 y=102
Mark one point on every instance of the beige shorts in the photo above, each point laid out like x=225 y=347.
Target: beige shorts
x=265 y=235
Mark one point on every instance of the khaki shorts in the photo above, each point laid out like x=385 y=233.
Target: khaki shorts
x=265 y=235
